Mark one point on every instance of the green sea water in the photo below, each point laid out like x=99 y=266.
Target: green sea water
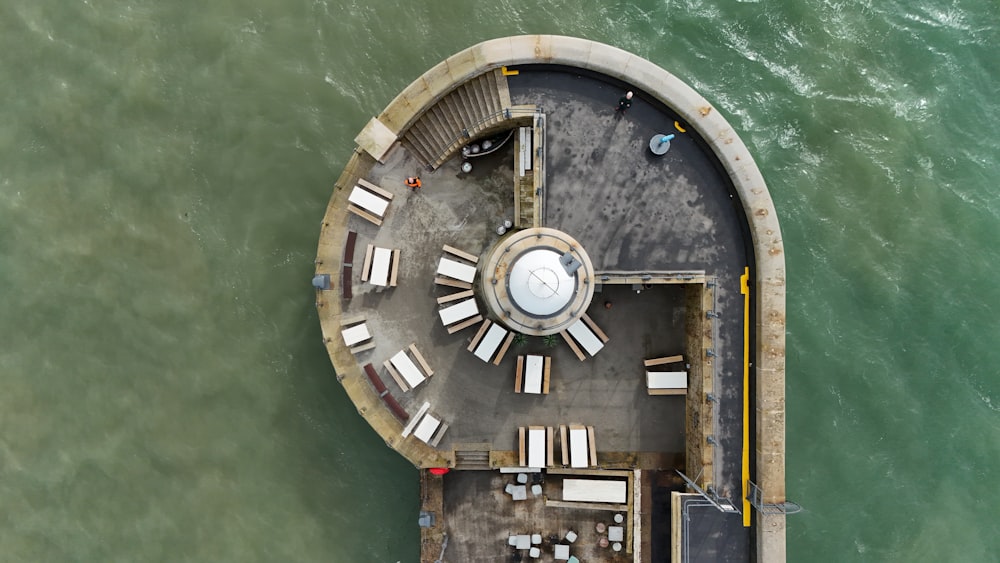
x=164 y=166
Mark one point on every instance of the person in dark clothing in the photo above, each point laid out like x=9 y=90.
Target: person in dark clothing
x=624 y=102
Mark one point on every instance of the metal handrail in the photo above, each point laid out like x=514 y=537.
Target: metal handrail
x=506 y=113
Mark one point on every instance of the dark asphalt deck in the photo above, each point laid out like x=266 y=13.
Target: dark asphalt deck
x=630 y=211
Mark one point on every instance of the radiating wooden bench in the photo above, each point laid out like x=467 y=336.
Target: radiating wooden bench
x=491 y=340
x=587 y=334
x=460 y=315
x=369 y=201
x=454 y=273
x=454 y=296
x=461 y=254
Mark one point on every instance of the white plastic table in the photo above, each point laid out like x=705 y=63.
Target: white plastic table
x=520 y=493
x=408 y=369
x=586 y=337
x=562 y=552
x=616 y=533
x=666 y=379
x=578 y=447
x=380 y=266
x=367 y=200
x=458 y=312
x=355 y=334
x=489 y=344
x=457 y=270
x=523 y=541
x=533 y=377
x=425 y=430
x=536 y=447
x=593 y=490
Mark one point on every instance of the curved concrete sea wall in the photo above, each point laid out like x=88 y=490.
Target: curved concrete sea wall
x=382 y=132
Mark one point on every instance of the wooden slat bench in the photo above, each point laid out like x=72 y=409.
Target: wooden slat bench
x=441 y=280
x=454 y=296
x=572 y=344
x=461 y=254
x=464 y=324
x=663 y=360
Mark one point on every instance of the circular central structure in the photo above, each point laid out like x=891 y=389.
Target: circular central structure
x=538 y=284
x=537 y=281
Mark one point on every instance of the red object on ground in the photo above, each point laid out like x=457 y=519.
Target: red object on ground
x=439 y=470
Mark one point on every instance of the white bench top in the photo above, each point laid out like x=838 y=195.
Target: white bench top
x=410 y=372
x=533 y=376
x=459 y=311
x=425 y=430
x=594 y=490
x=666 y=379
x=415 y=419
x=536 y=447
x=578 y=447
x=489 y=344
x=355 y=334
x=380 y=266
x=586 y=337
x=457 y=270
x=368 y=201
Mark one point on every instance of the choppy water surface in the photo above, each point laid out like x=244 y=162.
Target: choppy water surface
x=164 y=167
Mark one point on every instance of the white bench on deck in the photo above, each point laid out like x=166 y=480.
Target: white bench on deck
x=534 y=372
x=588 y=334
x=666 y=382
x=381 y=266
x=369 y=201
x=582 y=449
x=539 y=447
x=405 y=372
x=456 y=270
x=595 y=490
x=490 y=338
x=355 y=333
x=426 y=426
x=458 y=312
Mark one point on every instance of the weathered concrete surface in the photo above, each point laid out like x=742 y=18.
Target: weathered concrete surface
x=661 y=91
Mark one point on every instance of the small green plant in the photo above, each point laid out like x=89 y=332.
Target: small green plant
x=520 y=339
x=550 y=341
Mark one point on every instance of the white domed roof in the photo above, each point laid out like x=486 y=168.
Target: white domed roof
x=538 y=283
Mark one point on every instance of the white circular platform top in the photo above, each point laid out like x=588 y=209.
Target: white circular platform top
x=538 y=283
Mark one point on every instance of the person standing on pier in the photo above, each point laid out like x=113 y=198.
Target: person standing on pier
x=624 y=103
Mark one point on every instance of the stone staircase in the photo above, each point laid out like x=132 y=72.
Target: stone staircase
x=466 y=112
x=472 y=456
